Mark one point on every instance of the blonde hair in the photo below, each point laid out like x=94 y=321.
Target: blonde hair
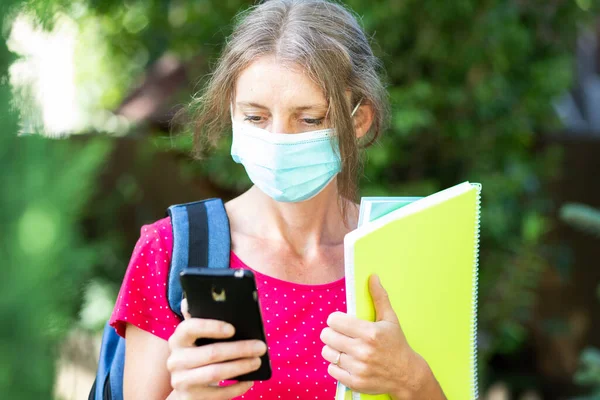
x=324 y=39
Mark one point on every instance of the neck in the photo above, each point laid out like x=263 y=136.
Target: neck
x=304 y=226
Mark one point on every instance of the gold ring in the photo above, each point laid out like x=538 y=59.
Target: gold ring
x=337 y=360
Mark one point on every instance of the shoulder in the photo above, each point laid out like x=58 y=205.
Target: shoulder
x=153 y=249
x=159 y=231
x=142 y=299
x=152 y=253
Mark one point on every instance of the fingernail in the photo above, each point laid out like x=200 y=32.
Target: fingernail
x=260 y=347
x=227 y=329
x=379 y=281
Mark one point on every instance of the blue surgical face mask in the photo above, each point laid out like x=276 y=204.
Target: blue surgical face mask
x=288 y=167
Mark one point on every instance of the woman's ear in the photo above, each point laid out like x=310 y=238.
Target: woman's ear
x=363 y=119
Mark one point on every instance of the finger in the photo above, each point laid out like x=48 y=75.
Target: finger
x=381 y=301
x=345 y=361
x=337 y=341
x=234 y=390
x=189 y=330
x=340 y=374
x=214 y=392
x=330 y=354
x=215 y=373
x=353 y=382
x=349 y=325
x=195 y=357
x=184 y=309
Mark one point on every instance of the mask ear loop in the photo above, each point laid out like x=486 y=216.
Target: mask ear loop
x=356 y=107
x=329 y=107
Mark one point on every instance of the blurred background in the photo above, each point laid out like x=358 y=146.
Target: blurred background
x=502 y=92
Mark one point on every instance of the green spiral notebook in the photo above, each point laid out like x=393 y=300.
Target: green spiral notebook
x=425 y=250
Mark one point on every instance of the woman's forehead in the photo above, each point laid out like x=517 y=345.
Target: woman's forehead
x=267 y=82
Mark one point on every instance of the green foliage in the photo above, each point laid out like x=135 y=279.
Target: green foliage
x=119 y=39
x=45 y=260
x=471 y=83
x=587 y=219
x=46 y=185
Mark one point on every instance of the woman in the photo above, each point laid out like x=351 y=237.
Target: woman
x=298 y=82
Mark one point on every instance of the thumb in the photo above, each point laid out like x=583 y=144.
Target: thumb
x=381 y=301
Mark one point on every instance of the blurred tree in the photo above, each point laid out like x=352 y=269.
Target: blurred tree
x=45 y=186
x=472 y=85
x=587 y=219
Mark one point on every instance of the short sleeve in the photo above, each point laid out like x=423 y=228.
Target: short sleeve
x=142 y=299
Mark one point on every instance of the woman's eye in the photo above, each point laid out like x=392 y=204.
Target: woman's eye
x=313 y=121
x=255 y=119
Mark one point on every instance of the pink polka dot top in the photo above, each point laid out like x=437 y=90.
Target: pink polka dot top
x=294 y=316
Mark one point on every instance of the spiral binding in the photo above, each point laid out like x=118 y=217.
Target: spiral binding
x=475 y=383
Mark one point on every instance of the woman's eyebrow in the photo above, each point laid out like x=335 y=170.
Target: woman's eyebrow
x=298 y=108
x=250 y=104
x=318 y=107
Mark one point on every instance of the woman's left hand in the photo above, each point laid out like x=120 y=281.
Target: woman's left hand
x=374 y=357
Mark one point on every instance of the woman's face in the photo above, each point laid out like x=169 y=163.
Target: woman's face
x=280 y=99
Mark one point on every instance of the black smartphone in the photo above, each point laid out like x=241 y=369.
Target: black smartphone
x=227 y=295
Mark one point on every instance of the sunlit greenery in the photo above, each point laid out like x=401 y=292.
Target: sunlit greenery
x=472 y=85
x=45 y=187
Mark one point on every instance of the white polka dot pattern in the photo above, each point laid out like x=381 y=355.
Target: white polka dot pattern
x=293 y=314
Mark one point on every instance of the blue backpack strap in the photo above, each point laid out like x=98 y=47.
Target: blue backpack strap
x=201 y=239
x=109 y=377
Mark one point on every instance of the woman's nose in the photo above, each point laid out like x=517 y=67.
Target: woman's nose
x=281 y=124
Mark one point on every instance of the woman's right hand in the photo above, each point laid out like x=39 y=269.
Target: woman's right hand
x=197 y=370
